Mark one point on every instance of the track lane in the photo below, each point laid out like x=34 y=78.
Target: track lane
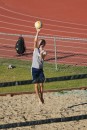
x=24 y=24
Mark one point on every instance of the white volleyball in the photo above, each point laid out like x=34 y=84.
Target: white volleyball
x=38 y=24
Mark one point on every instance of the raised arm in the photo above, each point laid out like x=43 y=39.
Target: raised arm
x=36 y=39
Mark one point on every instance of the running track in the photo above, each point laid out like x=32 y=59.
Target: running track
x=61 y=18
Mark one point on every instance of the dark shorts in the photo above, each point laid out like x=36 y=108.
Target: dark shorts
x=38 y=75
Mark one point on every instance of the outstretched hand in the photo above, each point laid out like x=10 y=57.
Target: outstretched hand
x=38 y=30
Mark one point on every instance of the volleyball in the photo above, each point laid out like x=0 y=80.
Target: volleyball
x=38 y=24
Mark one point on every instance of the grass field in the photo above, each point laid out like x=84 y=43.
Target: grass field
x=22 y=71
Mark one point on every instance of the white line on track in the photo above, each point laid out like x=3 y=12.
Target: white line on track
x=58 y=21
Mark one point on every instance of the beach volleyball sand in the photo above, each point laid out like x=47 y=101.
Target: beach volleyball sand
x=25 y=108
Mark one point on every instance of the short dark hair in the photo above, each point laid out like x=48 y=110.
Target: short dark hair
x=43 y=42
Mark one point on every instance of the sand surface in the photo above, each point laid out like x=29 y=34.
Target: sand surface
x=25 y=108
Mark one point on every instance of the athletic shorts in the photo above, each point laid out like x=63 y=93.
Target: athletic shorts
x=38 y=75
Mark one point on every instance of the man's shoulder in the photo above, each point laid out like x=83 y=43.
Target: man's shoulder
x=36 y=49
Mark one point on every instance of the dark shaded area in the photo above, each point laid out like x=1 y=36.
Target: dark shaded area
x=46 y=121
x=77 y=105
x=65 y=55
x=63 y=78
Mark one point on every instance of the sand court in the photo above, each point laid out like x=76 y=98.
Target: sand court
x=25 y=111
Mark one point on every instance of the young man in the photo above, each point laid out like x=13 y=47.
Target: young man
x=37 y=66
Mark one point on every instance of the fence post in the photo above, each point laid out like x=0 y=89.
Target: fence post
x=55 y=49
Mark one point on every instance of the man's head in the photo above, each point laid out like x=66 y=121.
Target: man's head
x=42 y=43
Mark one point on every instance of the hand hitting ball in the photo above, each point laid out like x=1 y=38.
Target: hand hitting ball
x=38 y=24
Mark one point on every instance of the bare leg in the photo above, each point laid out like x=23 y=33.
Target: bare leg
x=37 y=92
x=41 y=92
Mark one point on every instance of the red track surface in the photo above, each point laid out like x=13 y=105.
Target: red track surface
x=62 y=18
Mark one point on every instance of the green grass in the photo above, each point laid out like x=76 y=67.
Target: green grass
x=23 y=72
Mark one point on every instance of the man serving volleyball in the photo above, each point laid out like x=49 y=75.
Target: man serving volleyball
x=37 y=65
